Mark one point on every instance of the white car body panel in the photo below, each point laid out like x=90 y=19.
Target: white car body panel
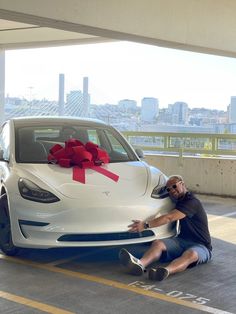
x=134 y=181
x=98 y=207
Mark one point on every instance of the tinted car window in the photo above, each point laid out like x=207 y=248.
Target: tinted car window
x=34 y=143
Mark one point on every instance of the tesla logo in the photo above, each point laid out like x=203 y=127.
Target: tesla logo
x=106 y=192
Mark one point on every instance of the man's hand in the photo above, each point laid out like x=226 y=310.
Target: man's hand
x=174 y=215
x=136 y=226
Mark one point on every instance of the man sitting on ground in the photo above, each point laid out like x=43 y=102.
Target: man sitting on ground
x=191 y=247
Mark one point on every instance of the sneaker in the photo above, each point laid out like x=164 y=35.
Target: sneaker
x=158 y=274
x=131 y=263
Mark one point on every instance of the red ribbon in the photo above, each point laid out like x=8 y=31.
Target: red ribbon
x=81 y=157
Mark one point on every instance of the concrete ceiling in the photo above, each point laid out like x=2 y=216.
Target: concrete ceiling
x=15 y=35
x=207 y=26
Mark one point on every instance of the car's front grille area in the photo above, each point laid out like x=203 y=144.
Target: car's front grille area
x=105 y=236
x=33 y=223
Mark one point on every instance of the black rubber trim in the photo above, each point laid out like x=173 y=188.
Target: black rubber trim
x=33 y=223
x=105 y=236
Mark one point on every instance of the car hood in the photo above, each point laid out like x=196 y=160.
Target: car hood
x=133 y=180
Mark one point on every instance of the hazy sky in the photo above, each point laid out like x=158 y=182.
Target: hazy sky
x=121 y=70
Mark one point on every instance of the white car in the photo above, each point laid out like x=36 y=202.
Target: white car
x=47 y=202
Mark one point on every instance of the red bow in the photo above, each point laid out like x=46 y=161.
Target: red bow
x=81 y=156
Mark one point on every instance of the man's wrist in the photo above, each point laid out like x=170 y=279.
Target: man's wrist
x=146 y=225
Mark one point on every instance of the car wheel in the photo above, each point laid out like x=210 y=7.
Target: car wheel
x=6 y=244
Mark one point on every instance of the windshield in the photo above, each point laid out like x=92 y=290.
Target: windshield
x=33 y=143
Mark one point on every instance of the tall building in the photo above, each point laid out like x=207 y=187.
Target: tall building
x=78 y=102
x=149 y=109
x=179 y=113
x=232 y=110
x=61 y=100
x=74 y=103
x=127 y=104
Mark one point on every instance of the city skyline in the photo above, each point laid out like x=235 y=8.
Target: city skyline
x=122 y=70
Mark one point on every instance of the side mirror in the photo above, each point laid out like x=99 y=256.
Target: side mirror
x=139 y=152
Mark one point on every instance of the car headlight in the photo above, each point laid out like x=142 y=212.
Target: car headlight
x=160 y=189
x=32 y=192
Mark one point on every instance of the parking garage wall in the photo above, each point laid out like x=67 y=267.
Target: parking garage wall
x=202 y=175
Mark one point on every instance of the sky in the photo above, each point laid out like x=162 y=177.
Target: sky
x=123 y=70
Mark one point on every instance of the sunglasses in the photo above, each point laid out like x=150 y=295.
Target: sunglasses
x=174 y=186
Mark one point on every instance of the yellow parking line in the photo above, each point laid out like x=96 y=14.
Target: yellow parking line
x=63 y=261
x=217 y=217
x=223 y=227
x=28 y=302
x=115 y=284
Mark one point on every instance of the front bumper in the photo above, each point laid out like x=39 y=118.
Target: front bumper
x=37 y=225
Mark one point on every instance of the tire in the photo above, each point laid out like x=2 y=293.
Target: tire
x=6 y=244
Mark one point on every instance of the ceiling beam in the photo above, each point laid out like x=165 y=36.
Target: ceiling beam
x=198 y=25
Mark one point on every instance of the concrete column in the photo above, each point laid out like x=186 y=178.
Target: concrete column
x=2 y=84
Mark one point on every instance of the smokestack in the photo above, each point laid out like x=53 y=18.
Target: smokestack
x=86 y=100
x=61 y=94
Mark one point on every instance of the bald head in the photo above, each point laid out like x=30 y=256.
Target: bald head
x=176 y=187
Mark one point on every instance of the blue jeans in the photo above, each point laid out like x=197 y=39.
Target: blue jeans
x=177 y=246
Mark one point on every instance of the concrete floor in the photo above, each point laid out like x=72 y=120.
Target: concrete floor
x=91 y=280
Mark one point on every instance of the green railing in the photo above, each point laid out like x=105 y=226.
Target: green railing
x=183 y=143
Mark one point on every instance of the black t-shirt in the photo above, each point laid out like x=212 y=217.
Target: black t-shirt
x=194 y=226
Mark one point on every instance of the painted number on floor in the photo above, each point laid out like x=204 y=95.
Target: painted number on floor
x=175 y=293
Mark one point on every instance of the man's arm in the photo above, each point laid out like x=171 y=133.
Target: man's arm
x=138 y=225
